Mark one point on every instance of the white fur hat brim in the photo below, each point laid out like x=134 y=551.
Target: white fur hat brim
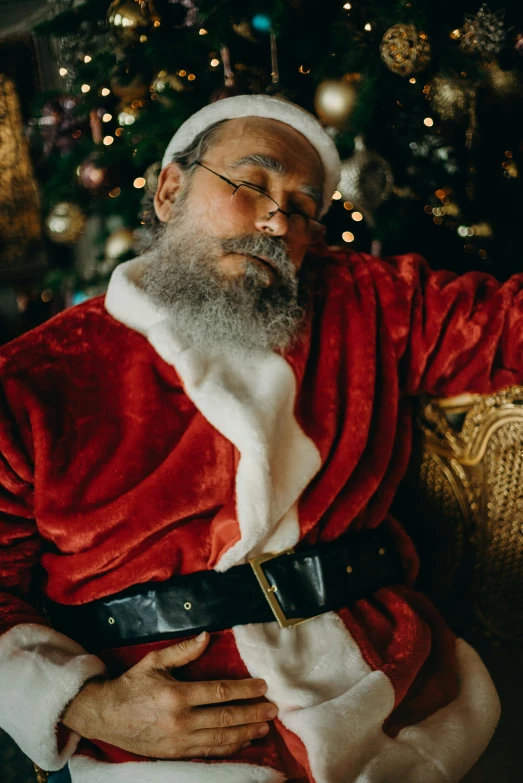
x=274 y=109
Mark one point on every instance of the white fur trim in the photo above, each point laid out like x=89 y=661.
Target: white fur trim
x=126 y=302
x=272 y=108
x=336 y=704
x=249 y=398
x=40 y=672
x=86 y=770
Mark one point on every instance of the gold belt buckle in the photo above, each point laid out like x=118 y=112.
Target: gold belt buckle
x=269 y=591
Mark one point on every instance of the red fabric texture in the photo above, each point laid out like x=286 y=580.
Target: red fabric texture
x=109 y=475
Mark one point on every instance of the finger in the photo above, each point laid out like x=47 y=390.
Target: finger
x=217 y=752
x=236 y=735
x=217 y=691
x=230 y=715
x=181 y=653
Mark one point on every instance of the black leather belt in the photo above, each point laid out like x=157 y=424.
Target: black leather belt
x=289 y=587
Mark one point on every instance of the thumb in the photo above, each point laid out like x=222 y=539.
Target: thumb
x=179 y=654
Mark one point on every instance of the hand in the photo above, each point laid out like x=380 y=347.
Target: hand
x=148 y=712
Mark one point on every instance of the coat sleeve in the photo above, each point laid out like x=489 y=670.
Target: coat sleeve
x=453 y=334
x=40 y=669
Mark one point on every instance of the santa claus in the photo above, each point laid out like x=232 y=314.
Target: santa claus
x=195 y=478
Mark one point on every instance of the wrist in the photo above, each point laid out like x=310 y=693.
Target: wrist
x=83 y=713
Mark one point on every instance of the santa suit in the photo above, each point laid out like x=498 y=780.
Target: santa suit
x=128 y=456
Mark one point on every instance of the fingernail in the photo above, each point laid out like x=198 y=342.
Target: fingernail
x=272 y=711
x=245 y=745
x=263 y=730
x=201 y=636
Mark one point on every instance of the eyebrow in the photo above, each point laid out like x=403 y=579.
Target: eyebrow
x=275 y=166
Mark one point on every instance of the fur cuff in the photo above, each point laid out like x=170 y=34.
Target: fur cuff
x=87 y=770
x=40 y=672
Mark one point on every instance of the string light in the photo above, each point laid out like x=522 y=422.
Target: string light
x=455 y=34
x=357 y=216
x=348 y=205
x=347 y=236
x=87 y=58
x=108 y=140
x=156 y=23
x=215 y=62
x=482 y=254
x=143 y=38
x=428 y=121
x=107 y=117
x=463 y=231
x=139 y=182
x=115 y=192
x=118 y=132
x=347 y=6
x=182 y=73
x=63 y=71
x=202 y=31
x=191 y=77
x=413 y=80
x=105 y=91
x=336 y=195
x=413 y=145
x=368 y=27
x=46 y=295
x=304 y=69
x=85 y=87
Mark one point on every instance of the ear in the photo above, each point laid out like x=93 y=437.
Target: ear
x=169 y=187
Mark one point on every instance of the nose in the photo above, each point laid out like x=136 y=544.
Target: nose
x=273 y=222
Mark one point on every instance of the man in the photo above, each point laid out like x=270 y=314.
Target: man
x=235 y=395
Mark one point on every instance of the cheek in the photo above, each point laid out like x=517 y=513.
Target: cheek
x=217 y=216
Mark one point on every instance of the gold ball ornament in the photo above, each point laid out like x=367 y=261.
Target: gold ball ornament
x=405 y=50
x=452 y=98
x=131 y=18
x=65 y=223
x=164 y=85
x=151 y=176
x=134 y=90
x=118 y=244
x=334 y=101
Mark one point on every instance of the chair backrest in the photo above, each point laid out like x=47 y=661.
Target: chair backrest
x=462 y=503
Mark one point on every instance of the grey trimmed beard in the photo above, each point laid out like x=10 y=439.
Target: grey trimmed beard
x=213 y=310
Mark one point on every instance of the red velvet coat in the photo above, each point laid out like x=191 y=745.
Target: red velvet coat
x=126 y=457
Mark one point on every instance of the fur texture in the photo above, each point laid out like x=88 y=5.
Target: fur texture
x=40 y=672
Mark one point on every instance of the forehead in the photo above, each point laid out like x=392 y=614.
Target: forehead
x=261 y=136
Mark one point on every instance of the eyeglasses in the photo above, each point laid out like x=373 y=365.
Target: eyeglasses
x=247 y=197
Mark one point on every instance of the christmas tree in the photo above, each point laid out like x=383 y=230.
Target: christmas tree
x=423 y=99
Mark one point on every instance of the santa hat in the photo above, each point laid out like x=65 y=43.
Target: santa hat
x=274 y=109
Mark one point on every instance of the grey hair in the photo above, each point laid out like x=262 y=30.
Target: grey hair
x=199 y=146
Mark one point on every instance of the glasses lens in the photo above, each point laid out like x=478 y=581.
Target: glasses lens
x=247 y=198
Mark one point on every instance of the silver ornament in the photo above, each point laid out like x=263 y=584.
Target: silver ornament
x=366 y=179
x=483 y=33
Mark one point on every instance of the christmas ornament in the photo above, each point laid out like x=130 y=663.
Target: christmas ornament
x=128 y=115
x=92 y=176
x=151 y=175
x=405 y=50
x=65 y=223
x=451 y=97
x=164 y=85
x=334 y=101
x=483 y=34
x=58 y=126
x=254 y=29
x=118 y=244
x=504 y=85
x=134 y=90
x=366 y=180
x=130 y=18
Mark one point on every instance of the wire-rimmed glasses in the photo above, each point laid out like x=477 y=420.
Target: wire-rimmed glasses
x=247 y=196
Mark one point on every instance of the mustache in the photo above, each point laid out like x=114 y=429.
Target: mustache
x=273 y=249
